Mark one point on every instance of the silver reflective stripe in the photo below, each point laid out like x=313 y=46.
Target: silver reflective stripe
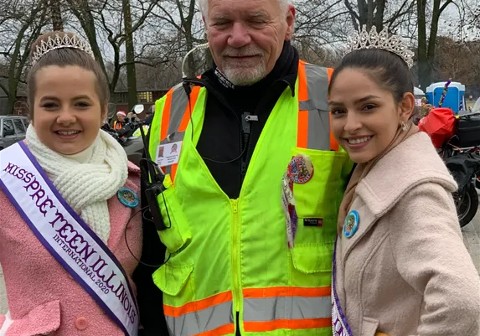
x=317 y=107
x=318 y=130
x=179 y=103
x=317 y=81
x=290 y=308
x=200 y=321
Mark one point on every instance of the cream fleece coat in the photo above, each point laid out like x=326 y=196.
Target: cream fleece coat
x=43 y=298
x=406 y=271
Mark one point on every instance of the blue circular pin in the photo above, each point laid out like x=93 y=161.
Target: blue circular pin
x=350 y=225
x=128 y=197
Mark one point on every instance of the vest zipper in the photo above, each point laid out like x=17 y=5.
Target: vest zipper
x=237 y=290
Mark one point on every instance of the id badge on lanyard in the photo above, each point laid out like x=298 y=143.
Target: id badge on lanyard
x=168 y=154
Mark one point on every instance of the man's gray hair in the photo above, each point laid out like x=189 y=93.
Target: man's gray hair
x=203 y=5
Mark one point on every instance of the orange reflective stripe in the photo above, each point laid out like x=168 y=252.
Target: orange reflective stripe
x=286 y=291
x=287 y=324
x=329 y=73
x=166 y=115
x=333 y=142
x=302 y=82
x=188 y=109
x=197 y=305
x=223 y=330
x=302 y=131
x=173 y=171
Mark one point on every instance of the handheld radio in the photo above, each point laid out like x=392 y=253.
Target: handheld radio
x=153 y=185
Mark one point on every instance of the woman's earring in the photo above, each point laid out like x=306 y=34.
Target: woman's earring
x=403 y=125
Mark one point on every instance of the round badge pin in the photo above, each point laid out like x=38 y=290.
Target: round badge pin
x=300 y=169
x=128 y=197
x=350 y=226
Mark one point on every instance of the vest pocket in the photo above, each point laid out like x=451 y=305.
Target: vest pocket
x=171 y=278
x=312 y=258
x=177 y=234
x=320 y=196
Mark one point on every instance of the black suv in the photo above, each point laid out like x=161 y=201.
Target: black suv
x=12 y=129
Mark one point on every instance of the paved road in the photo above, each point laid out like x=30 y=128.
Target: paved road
x=471 y=236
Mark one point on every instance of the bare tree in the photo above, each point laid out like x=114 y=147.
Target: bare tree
x=375 y=13
x=449 y=65
x=182 y=30
x=319 y=28
x=20 y=24
x=129 y=55
x=99 y=20
x=56 y=14
x=426 y=45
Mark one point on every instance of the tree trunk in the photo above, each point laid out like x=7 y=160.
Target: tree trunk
x=129 y=55
x=370 y=13
x=426 y=48
x=81 y=10
x=424 y=69
x=56 y=14
x=18 y=58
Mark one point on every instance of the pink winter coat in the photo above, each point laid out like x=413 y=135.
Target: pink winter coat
x=406 y=270
x=42 y=297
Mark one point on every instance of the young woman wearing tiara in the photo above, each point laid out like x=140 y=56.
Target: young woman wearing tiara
x=67 y=195
x=400 y=266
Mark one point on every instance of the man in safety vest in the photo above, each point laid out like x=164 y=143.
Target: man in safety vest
x=120 y=121
x=250 y=186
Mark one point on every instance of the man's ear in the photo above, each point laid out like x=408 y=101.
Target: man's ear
x=407 y=106
x=290 y=22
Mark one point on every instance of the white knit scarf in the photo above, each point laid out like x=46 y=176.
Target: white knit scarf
x=85 y=186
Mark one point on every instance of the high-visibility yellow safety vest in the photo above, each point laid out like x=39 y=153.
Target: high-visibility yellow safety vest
x=117 y=125
x=229 y=256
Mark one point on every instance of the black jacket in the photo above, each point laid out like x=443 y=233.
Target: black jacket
x=225 y=144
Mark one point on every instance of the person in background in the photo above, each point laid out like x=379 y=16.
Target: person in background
x=149 y=115
x=400 y=267
x=252 y=189
x=132 y=117
x=120 y=121
x=67 y=195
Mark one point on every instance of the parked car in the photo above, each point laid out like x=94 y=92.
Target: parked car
x=12 y=129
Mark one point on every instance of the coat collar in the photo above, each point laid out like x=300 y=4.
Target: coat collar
x=412 y=163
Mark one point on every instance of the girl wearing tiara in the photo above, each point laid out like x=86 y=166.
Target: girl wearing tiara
x=68 y=196
x=400 y=266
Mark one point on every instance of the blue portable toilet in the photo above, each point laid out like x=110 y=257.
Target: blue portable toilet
x=454 y=99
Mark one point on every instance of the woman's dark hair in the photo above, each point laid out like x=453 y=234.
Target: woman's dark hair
x=64 y=56
x=387 y=69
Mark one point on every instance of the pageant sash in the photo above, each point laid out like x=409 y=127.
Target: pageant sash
x=340 y=325
x=66 y=236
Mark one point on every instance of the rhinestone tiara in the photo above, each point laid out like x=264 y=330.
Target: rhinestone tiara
x=374 y=40
x=59 y=41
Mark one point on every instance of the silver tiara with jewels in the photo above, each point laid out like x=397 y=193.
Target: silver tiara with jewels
x=58 y=41
x=374 y=40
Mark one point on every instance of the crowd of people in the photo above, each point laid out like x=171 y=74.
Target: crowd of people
x=276 y=197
